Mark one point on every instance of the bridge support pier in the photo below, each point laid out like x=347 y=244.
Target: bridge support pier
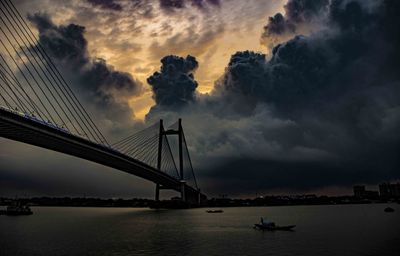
x=183 y=194
x=198 y=197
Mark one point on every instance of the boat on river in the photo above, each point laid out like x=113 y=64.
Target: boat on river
x=270 y=226
x=273 y=228
x=17 y=208
x=389 y=209
x=215 y=211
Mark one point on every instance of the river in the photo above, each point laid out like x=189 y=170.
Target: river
x=321 y=230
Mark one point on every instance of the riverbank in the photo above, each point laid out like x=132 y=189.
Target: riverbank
x=213 y=202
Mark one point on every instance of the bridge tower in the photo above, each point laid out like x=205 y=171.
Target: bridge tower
x=179 y=133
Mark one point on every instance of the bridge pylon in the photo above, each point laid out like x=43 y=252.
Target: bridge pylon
x=179 y=133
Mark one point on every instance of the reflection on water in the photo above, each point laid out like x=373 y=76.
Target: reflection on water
x=321 y=230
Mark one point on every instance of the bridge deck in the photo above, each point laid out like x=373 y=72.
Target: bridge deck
x=17 y=127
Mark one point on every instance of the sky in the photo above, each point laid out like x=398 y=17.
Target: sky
x=279 y=96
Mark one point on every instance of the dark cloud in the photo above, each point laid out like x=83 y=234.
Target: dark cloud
x=297 y=13
x=103 y=88
x=318 y=67
x=294 y=176
x=66 y=43
x=106 y=4
x=244 y=74
x=278 y=25
x=174 y=86
x=171 y=5
x=322 y=110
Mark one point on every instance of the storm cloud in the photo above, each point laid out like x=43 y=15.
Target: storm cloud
x=174 y=86
x=323 y=105
x=105 y=89
x=300 y=16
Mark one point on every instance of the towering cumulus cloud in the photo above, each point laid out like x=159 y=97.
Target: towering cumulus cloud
x=174 y=86
x=300 y=16
x=322 y=110
x=105 y=90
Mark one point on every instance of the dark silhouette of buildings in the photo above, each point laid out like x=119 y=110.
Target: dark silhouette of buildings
x=389 y=190
x=361 y=192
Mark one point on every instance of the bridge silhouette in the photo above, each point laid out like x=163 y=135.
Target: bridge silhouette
x=38 y=107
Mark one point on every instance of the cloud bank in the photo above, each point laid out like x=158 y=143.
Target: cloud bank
x=105 y=90
x=301 y=16
x=323 y=105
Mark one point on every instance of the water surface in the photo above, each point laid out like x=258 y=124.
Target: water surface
x=321 y=230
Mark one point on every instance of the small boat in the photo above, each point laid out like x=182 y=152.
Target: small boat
x=389 y=209
x=17 y=209
x=270 y=226
x=214 y=211
x=273 y=228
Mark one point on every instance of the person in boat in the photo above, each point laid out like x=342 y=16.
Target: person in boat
x=267 y=224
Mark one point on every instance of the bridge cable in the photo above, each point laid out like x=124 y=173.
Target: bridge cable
x=48 y=64
x=172 y=157
x=151 y=153
x=188 y=156
x=77 y=106
x=132 y=137
x=4 y=99
x=26 y=79
x=143 y=146
x=24 y=93
x=137 y=146
x=9 y=96
x=36 y=56
x=5 y=79
x=134 y=142
x=33 y=66
x=29 y=48
x=168 y=163
x=24 y=96
x=139 y=150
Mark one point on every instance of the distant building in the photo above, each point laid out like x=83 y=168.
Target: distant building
x=384 y=190
x=395 y=189
x=371 y=194
x=389 y=190
x=359 y=191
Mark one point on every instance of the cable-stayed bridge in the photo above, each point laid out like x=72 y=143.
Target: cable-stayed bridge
x=38 y=107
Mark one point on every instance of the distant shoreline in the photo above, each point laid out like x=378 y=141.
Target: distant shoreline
x=236 y=206
x=308 y=200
